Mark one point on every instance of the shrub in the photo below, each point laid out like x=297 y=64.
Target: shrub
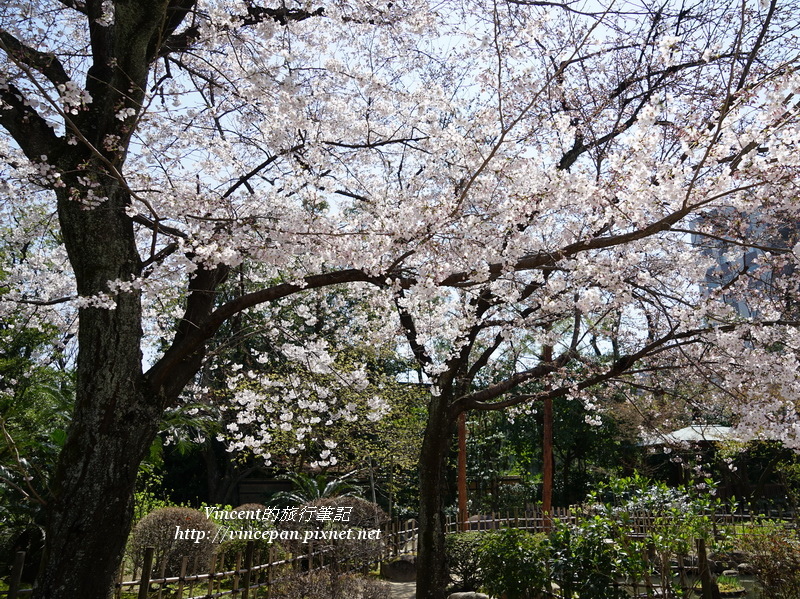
x=364 y=514
x=514 y=564
x=231 y=547
x=339 y=554
x=320 y=585
x=463 y=559
x=587 y=559
x=157 y=530
x=774 y=553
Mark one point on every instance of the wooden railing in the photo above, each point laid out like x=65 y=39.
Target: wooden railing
x=253 y=574
x=250 y=576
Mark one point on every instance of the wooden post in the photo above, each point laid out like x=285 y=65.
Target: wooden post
x=194 y=571
x=396 y=537
x=248 y=566
x=182 y=575
x=162 y=575
x=16 y=575
x=682 y=574
x=271 y=559
x=211 y=572
x=237 y=574
x=120 y=578
x=147 y=566
x=255 y=578
x=648 y=583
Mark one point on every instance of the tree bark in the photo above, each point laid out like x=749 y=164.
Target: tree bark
x=117 y=410
x=432 y=577
x=116 y=413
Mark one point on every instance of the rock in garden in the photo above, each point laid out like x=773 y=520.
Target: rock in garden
x=400 y=569
x=745 y=568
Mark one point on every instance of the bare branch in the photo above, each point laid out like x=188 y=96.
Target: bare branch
x=43 y=62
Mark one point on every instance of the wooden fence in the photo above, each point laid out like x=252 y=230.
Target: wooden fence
x=253 y=575
x=639 y=523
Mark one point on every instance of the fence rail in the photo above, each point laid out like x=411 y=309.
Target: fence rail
x=251 y=577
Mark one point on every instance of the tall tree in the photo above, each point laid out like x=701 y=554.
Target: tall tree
x=541 y=162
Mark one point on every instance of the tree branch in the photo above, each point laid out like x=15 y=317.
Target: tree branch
x=478 y=401
x=33 y=134
x=166 y=375
x=44 y=62
x=75 y=5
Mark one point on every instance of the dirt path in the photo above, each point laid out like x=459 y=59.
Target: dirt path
x=403 y=590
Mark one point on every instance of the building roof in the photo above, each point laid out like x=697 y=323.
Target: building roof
x=697 y=433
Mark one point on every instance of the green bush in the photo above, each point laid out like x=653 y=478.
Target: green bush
x=514 y=564
x=158 y=529
x=774 y=553
x=587 y=559
x=463 y=560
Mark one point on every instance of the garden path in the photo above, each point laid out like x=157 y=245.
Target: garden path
x=403 y=590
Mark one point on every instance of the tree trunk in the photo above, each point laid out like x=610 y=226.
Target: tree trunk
x=116 y=414
x=432 y=577
x=90 y=516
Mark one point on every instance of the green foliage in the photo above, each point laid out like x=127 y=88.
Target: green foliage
x=729 y=584
x=789 y=472
x=774 y=552
x=36 y=396
x=587 y=559
x=499 y=445
x=463 y=559
x=514 y=564
x=307 y=488
x=680 y=516
x=149 y=493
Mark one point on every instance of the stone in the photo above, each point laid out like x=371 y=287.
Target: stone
x=481 y=522
x=470 y=595
x=731 y=573
x=400 y=569
x=716 y=567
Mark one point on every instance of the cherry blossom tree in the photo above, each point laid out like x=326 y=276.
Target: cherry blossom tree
x=510 y=176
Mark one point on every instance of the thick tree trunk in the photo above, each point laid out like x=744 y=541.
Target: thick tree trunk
x=432 y=577
x=90 y=515
x=116 y=414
